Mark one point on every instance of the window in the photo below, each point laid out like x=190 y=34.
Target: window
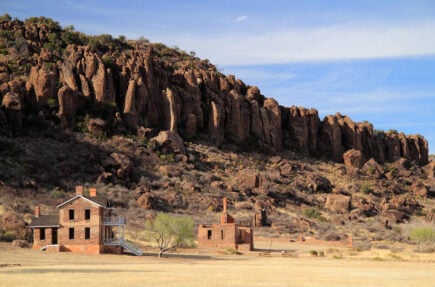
x=208 y=234
x=222 y=234
x=87 y=214
x=71 y=214
x=42 y=234
x=87 y=232
x=71 y=233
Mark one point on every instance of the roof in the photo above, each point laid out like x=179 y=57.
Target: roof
x=98 y=200
x=45 y=221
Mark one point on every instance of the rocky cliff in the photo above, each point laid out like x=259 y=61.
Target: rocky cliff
x=49 y=74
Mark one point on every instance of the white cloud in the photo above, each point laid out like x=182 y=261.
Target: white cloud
x=241 y=18
x=338 y=42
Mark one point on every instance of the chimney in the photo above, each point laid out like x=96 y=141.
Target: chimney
x=37 y=211
x=79 y=190
x=224 y=203
x=92 y=192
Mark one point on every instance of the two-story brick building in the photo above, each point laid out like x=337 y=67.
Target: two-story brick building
x=85 y=224
x=227 y=234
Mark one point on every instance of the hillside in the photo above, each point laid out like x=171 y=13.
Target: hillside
x=158 y=129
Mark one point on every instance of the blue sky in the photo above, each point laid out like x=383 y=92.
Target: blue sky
x=371 y=60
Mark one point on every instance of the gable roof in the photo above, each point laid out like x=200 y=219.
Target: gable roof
x=45 y=221
x=98 y=200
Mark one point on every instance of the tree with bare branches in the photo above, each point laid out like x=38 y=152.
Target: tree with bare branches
x=170 y=232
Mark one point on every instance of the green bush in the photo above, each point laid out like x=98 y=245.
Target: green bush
x=365 y=188
x=58 y=193
x=422 y=234
x=313 y=212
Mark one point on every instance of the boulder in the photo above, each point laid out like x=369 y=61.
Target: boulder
x=248 y=178
x=352 y=159
x=317 y=183
x=20 y=243
x=169 y=142
x=338 y=203
x=394 y=215
x=97 y=126
x=371 y=167
x=146 y=201
x=121 y=163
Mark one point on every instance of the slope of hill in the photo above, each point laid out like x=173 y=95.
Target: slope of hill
x=158 y=129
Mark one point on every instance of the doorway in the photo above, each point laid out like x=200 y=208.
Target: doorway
x=54 y=235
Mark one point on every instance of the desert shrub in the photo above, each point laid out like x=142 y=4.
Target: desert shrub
x=5 y=17
x=232 y=251
x=425 y=237
x=8 y=236
x=313 y=212
x=422 y=234
x=365 y=187
x=314 y=253
x=58 y=193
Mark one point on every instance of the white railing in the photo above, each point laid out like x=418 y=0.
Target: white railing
x=114 y=220
x=123 y=243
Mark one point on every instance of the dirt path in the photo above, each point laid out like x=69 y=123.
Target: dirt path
x=23 y=267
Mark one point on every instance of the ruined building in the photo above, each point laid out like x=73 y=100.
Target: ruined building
x=227 y=234
x=85 y=224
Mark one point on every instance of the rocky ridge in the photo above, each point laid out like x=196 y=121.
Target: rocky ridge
x=139 y=85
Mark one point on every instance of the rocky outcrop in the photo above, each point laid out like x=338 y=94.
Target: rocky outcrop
x=183 y=94
x=67 y=108
x=42 y=81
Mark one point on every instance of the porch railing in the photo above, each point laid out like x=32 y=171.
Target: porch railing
x=114 y=220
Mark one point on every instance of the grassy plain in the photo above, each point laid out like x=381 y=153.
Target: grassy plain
x=339 y=267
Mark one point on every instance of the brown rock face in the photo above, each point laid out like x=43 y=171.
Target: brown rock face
x=187 y=96
x=330 y=138
x=67 y=108
x=352 y=159
x=303 y=128
x=338 y=203
x=11 y=104
x=43 y=83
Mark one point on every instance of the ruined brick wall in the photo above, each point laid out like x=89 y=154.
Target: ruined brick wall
x=225 y=236
x=245 y=236
x=79 y=223
x=218 y=235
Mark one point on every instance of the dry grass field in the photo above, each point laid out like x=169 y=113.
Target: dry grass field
x=339 y=267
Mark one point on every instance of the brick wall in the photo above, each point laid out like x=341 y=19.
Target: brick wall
x=37 y=243
x=225 y=236
x=79 y=223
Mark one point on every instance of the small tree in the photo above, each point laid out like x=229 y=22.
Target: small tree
x=170 y=232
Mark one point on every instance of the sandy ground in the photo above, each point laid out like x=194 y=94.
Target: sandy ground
x=339 y=267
